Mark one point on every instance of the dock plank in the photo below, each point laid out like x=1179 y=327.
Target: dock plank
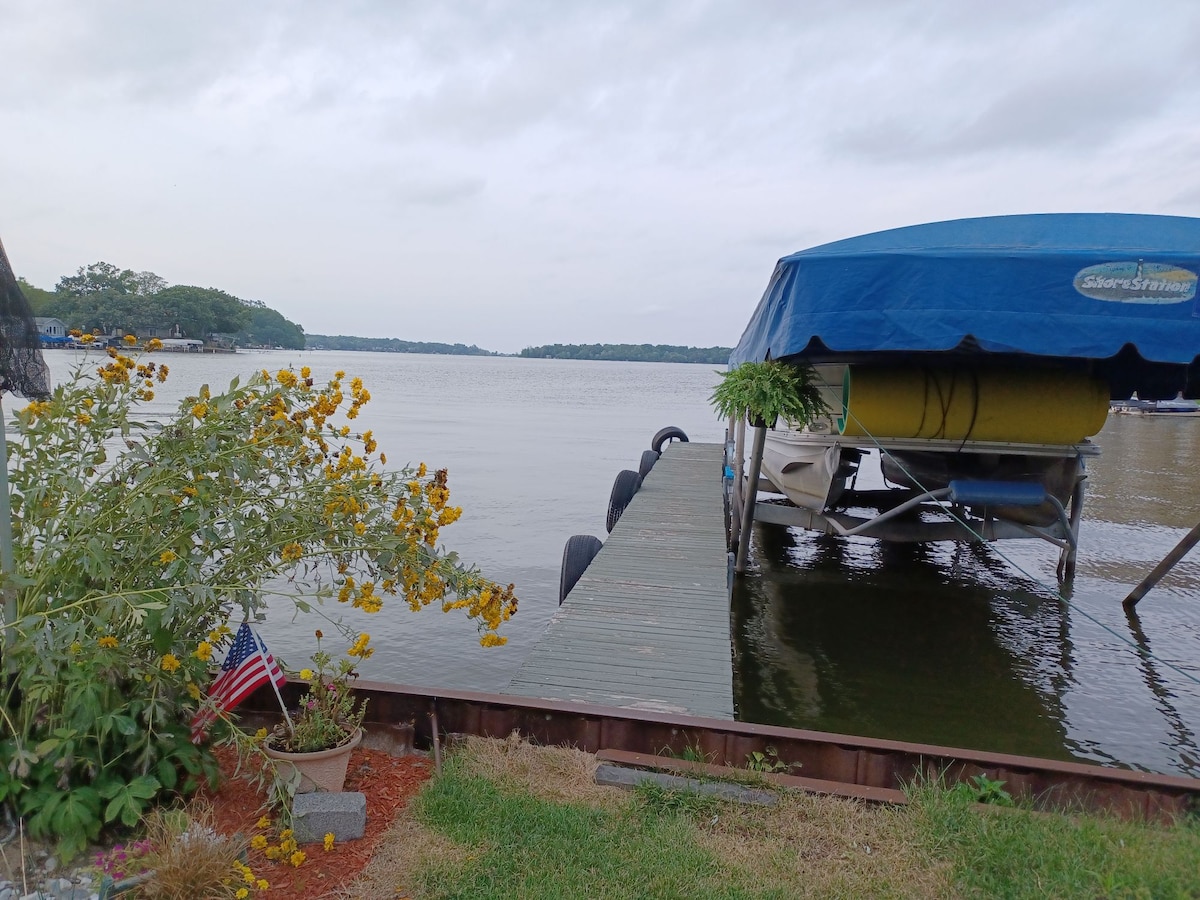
x=647 y=625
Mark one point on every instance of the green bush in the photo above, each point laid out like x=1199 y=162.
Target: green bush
x=137 y=546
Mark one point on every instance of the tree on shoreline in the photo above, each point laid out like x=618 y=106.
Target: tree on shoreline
x=102 y=297
x=631 y=353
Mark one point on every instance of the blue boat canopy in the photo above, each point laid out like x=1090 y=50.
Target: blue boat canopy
x=1111 y=294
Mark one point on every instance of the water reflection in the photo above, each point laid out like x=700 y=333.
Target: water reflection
x=974 y=645
x=1183 y=737
x=907 y=641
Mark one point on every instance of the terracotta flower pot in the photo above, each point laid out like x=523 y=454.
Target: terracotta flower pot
x=320 y=770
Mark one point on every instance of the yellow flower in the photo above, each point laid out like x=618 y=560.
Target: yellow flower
x=297 y=858
x=383 y=458
x=169 y=662
x=129 y=339
x=259 y=735
x=167 y=557
x=108 y=641
x=422 y=470
x=193 y=691
x=272 y=852
x=263 y=822
x=339 y=374
x=76 y=647
x=200 y=410
x=154 y=344
x=203 y=651
x=360 y=528
x=83 y=419
x=360 y=648
x=262 y=884
x=492 y=640
x=291 y=552
x=87 y=338
x=242 y=893
x=259 y=842
x=306 y=674
x=328 y=840
x=305 y=372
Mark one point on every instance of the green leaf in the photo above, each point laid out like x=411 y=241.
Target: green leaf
x=167 y=774
x=129 y=801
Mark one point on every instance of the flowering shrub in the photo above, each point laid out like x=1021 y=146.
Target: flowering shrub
x=122 y=860
x=329 y=712
x=135 y=545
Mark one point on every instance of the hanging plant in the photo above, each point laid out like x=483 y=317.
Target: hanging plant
x=764 y=391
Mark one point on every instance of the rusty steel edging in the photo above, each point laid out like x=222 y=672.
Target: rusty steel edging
x=870 y=762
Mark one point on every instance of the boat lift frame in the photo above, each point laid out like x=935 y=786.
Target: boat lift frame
x=889 y=524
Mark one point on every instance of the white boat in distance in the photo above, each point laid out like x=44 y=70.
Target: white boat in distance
x=1177 y=408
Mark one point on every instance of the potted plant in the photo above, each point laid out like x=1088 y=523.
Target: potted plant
x=766 y=390
x=312 y=749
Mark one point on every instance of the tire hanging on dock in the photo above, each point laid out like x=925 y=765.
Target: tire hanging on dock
x=623 y=489
x=649 y=458
x=670 y=433
x=578 y=554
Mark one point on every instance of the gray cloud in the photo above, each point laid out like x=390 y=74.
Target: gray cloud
x=598 y=160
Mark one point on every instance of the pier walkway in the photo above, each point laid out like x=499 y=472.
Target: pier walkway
x=647 y=625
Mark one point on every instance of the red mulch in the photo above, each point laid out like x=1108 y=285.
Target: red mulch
x=388 y=783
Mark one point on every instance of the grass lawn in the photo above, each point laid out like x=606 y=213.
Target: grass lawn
x=508 y=820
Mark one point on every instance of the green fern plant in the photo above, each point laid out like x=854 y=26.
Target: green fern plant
x=766 y=390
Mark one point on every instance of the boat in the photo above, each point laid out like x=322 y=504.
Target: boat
x=1180 y=407
x=976 y=358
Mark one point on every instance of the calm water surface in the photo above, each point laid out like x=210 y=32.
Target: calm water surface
x=943 y=643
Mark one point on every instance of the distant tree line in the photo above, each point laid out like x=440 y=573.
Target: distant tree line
x=631 y=353
x=107 y=299
x=391 y=345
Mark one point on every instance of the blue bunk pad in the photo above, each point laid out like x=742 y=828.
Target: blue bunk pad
x=997 y=493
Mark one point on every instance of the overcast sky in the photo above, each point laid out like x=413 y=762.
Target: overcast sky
x=510 y=174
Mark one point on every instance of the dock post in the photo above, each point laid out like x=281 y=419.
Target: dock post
x=751 y=496
x=1066 y=559
x=1189 y=541
x=739 y=487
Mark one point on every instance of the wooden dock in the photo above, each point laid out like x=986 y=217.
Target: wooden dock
x=647 y=625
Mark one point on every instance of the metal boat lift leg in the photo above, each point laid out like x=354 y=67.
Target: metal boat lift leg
x=1066 y=558
x=751 y=495
x=1179 y=551
x=739 y=486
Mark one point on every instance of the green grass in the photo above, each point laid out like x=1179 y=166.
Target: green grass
x=480 y=830
x=1019 y=853
x=529 y=848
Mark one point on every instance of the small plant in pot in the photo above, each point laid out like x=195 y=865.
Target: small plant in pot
x=317 y=741
x=764 y=391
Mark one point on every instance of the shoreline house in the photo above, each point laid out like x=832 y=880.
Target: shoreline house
x=52 y=331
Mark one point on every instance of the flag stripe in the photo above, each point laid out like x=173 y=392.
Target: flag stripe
x=247 y=666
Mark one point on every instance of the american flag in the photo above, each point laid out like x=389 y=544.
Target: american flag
x=246 y=666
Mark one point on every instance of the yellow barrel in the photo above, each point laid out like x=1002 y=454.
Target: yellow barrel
x=1032 y=406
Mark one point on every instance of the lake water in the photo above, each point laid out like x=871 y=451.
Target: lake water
x=942 y=643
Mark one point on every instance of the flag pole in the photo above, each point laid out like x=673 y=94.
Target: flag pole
x=267 y=668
